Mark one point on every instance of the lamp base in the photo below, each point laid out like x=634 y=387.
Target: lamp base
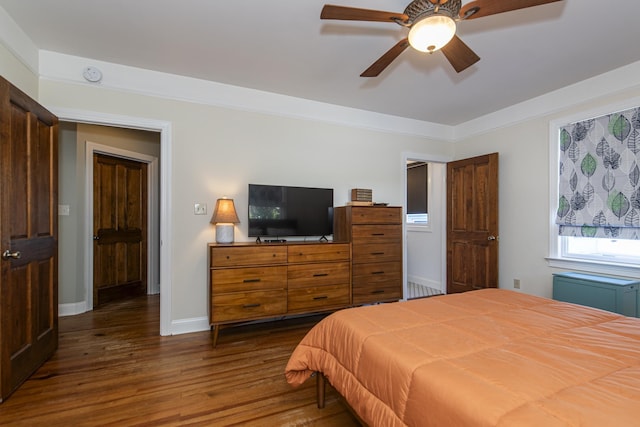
x=224 y=233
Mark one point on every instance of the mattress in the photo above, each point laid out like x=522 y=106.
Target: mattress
x=490 y=357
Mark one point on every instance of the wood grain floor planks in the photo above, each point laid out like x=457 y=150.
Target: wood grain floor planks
x=112 y=368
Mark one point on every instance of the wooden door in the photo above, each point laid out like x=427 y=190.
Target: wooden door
x=119 y=228
x=28 y=237
x=472 y=223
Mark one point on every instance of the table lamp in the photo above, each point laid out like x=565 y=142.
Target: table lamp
x=224 y=217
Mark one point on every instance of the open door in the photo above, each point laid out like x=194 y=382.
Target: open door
x=472 y=223
x=28 y=236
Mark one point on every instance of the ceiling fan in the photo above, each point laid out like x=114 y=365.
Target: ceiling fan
x=432 y=26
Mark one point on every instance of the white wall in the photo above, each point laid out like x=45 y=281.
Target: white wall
x=222 y=138
x=218 y=151
x=524 y=191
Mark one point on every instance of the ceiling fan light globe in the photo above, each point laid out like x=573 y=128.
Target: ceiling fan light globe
x=432 y=32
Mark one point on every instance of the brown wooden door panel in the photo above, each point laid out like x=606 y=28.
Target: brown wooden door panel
x=472 y=223
x=28 y=227
x=120 y=228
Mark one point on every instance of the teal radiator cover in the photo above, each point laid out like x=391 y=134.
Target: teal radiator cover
x=607 y=293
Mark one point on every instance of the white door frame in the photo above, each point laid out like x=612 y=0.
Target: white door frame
x=166 y=232
x=152 y=200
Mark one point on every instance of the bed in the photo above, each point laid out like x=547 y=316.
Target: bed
x=483 y=358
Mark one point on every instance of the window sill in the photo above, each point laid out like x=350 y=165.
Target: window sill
x=624 y=270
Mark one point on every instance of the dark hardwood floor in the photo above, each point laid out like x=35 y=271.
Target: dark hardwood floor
x=112 y=368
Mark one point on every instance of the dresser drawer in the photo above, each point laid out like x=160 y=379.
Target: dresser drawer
x=318 y=298
x=326 y=273
x=377 y=252
x=376 y=233
x=366 y=293
x=318 y=252
x=377 y=282
x=248 y=279
x=230 y=256
x=248 y=305
x=377 y=272
x=374 y=215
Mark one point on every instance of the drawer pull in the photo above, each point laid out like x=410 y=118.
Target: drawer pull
x=320 y=274
x=250 y=305
x=378 y=291
x=250 y=280
x=377 y=234
x=321 y=297
x=377 y=253
x=377 y=272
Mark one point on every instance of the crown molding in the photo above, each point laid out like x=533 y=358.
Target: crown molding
x=18 y=43
x=67 y=68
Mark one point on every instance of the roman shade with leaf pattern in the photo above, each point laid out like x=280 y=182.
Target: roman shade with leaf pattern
x=599 y=191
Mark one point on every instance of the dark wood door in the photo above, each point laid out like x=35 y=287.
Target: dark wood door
x=472 y=223
x=119 y=228
x=28 y=236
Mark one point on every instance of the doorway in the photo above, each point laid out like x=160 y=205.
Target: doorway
x=152 y=217
x=162 y=197
x=424 y=261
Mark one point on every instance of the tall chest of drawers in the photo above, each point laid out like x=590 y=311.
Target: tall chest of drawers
x=375 y=233
x=249 y=281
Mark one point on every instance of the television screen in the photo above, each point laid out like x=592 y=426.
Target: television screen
x=280 y=211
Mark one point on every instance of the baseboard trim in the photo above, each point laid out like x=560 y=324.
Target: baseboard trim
x=71 y=309
x=186 y=326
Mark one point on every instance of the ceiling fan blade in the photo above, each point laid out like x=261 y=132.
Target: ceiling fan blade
x=459 y=54
x=480 y=8
x=355 y=14
x=383 y=62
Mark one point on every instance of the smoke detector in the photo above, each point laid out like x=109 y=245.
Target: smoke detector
x=92 y=74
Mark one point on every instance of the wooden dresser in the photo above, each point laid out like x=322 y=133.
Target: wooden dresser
x=376 y=237
x=250 y=281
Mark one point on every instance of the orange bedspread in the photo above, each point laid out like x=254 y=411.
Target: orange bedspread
x=484 y=358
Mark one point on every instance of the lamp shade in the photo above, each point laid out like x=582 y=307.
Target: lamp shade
x=432 y=33
x=225 y=212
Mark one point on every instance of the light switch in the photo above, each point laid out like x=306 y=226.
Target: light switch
x=200 y=209
x=63 y=210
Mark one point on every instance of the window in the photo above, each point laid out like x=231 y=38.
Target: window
x=417 y=193
x=597 y=249
x=595 y=192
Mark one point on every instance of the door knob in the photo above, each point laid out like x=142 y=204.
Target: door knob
x=9 y=255
x=96 y=237
x=490 y=238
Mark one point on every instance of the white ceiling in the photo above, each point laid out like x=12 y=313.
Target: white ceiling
x=282 y=46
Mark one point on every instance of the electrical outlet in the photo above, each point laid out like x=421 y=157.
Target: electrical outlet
x=200 y=209
x=516 y=283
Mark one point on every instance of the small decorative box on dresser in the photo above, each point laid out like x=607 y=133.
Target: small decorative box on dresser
x=375 y=233
x=250 y=281
x=607 y=293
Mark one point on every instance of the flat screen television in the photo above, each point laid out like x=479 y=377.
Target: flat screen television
x=277 y=211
